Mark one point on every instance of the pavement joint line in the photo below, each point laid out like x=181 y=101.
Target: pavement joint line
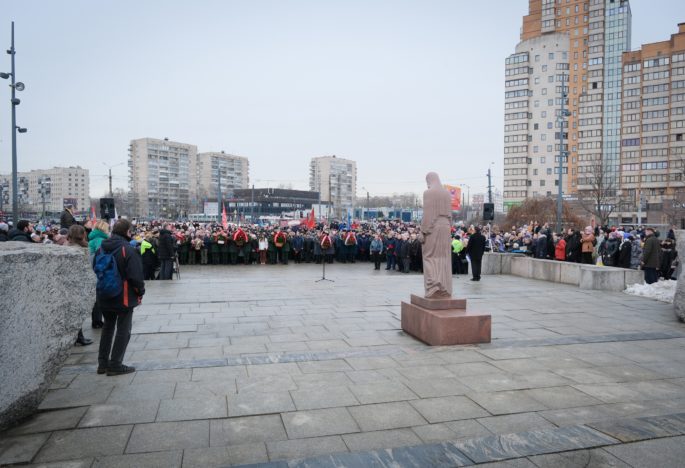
x=499 y=447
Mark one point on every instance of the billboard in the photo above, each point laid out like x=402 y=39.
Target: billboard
x=455 y=194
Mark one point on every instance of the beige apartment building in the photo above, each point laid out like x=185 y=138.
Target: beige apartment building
x=336 y=180
x=652 y=165
x=61 y=185
x=571 y=47
x=212 y=167
x=162 y=178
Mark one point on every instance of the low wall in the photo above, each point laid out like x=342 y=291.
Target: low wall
x=583 y=276
x=679 y=300
x=47 y=292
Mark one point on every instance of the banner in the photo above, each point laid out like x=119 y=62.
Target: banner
x=455 y=193
x=224 y=219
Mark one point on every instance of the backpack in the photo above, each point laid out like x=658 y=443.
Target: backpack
x=109 y=281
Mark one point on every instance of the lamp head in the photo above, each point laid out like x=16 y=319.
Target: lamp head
x=4 y=76
x=19 y=86
x=22 y=130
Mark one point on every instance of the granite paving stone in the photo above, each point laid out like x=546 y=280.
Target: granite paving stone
x=305 y=448
x=244 y=404
x=381 y=439
x=589 y=458
x=386 y=416
x=430 y=433
x=323 y=397
x=315 y=423
x=161 y=436
x=668 y=452
x=246 y=430
x=561 y=397
x=382 y=392
x=83 y=443
x=70 y=397
x=515 y=401
x=225 y=456
x=151 y=391
x=161 y=376
x=515 y=423
x=21 y=448
x=448 y=408
x=48 y=421
x=204 y=390
x=188 y=409
x=129 y=412
x=170 y=459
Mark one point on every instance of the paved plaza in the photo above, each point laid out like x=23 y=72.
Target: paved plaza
x=262 y=365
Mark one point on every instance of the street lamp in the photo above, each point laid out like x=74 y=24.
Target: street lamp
x=562 y=153
x=111 y=194
x=467 y=205
x=367 y=203
x=16 y=86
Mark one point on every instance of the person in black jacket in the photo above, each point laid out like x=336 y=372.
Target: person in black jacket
x=67 y=219
x=22 y=233
x=624 y=254
x=166 y=253
x=4 y=237
x=475 y=250
x=118 y=311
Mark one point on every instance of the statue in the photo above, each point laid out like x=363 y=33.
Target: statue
x=435 y=238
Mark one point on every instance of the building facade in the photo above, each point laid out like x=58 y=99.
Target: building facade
x=590 y=36
x=49 y=188
x=232 y=171
x=162 y=178
x=652 y=164
x=336 y=180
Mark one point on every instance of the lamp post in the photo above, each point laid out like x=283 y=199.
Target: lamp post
x=111 y=193
x=468 y=201
x=564 y=113
x=16 y=86
x=368 y=199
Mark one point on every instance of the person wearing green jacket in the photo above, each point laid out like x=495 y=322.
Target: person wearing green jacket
x=457 y=247
x=99 y=233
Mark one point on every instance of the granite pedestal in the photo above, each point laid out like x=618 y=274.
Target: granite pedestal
x=440 y=322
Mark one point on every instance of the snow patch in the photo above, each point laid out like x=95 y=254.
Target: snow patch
x=663 y=290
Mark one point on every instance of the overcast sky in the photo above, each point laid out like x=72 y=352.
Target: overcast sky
x=402 y=87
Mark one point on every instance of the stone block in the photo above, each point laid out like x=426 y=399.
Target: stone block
x=522 y=266
x=446 y=327
x=438 y=304
x=569 y=273
x=505 y=262
x=679 y=299
x=492 y=264
x=602 y=278
x=634 y=277
x=546 y=270
x=39 y=329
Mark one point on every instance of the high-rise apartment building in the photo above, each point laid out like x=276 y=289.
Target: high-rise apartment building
x=572 y=48
x=56 y=187
x=336 y=180
x=652 y=164
x=232 y=171
x=162 y=178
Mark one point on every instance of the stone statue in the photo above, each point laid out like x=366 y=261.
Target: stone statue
x=436 y=239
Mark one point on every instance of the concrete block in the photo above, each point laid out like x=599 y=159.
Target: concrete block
x=546 y=270
x=446 y=327
x=679 y=299
x=522 y=266
x=49 y=290
x=505 y=262
x=492 y=264
x=634 y=277
x=569 y=273
x=602 y=278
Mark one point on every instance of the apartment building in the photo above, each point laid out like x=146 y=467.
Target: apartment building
x=336 y=180
x=590 y=36
x=652 y=157
x=162 y=178
x=214 y=167
x=56 y=187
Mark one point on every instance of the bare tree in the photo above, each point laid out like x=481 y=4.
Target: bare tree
x=600 y=199
x=673 y=206
x=541 y=210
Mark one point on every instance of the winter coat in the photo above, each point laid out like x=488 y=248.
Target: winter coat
x=4 y=237
x=404 y=249
x=651 y=253
x=588 y=243
x=19 y=236
x=560 y=250
x=624 y=254
x=130 y=266
x=376 y=245
x=167 y=245
x=573 y=248
x=476 y=246
x=95 y=238
x=541 y=247
x=635 y=254
x=66 y=220
x=610 y=252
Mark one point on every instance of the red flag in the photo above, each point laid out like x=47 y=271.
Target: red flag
x=311 y=220
x=224 y=219
x=93 y=217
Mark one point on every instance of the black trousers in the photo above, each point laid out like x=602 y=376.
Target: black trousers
x=376 y=256
x=651 y=275
x=112 y=355
x=96 y=314
x=475 y=266
x=166 y=269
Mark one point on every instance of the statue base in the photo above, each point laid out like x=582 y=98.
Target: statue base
x=441 y=322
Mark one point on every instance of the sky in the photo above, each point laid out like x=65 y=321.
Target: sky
x=402 y=87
